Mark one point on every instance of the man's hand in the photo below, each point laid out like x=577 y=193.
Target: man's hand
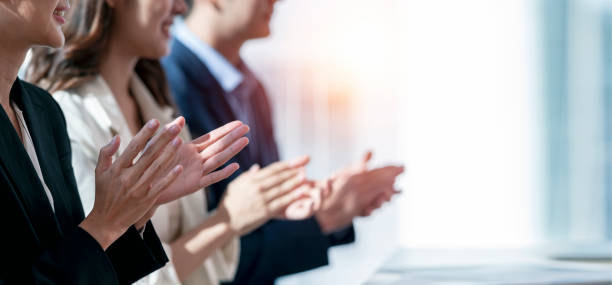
x=357 y=191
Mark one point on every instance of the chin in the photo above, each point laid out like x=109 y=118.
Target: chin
x=157 y=53
x=56 y=41
x=263 y=33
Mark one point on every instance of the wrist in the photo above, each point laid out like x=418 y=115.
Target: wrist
x=104 y=235
x=326 y=221
x=140 y=224
x=224 y=219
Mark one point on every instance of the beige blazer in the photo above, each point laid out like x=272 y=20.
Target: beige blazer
x=93 y=117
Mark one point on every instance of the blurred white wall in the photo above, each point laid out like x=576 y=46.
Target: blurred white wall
x=449 y=88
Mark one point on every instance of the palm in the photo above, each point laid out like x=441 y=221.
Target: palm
x=202 y=156
x=189 y=180
x=307 y=205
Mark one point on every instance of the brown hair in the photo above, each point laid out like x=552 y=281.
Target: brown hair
x=87 y=33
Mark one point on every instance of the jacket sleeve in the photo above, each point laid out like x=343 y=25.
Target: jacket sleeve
x=132 y=256
x=281 y=248
x=75 y=258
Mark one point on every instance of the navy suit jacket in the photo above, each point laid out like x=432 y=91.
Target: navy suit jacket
x=279 y=247
x=38 y=245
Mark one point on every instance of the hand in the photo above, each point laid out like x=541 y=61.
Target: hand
x=127 y=191
x=310 y=203
x=356 y=191
x=203 y=155
x=258 y=195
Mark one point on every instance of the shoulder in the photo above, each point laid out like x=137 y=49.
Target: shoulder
x=69 y=100
x=81 y=121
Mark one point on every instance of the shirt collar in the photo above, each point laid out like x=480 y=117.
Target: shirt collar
x=228 y=76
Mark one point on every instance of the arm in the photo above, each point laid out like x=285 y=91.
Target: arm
x=132 y=255
x=74 y=258
x=191 y=249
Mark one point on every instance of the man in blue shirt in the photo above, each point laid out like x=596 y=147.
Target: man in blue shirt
x=212 y=85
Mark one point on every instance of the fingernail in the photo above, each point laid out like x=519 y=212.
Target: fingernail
x=176 y=142
x=297 y=161
x=112 y=142
x=152 y=124
x=174 y=129
x=176 y=169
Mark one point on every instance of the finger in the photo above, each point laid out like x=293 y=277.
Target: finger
x=180 y=122
x=162 y=185
x=159 y=144
x=279 y=178
x=137 y=144
x=362 y=165
x=380 y=177
x=158 y=166
x=380 y=202
x=373 y=206
x=316 y=194
x=224 y=142
x=254 y=168
x=224 y=156
x=284 y=201
x=282 y=166
x=286 y=187
x=217 y=176
x=105 y=158
x=327 y=190
x=368 y=212
x=210 y=138
x=387 y=172
x=366 y=158
x=300 y=209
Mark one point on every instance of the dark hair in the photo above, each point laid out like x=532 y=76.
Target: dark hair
x=87 y=35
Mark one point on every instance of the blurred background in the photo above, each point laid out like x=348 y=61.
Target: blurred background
x=501 y=111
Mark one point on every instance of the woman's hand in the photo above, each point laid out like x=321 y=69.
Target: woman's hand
x=202 y=156
x=127 y=191
x=258 y=195
x=310 y=203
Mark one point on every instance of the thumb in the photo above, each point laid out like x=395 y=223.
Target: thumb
x=254 y=168
x=105 y=158
x=366 y=158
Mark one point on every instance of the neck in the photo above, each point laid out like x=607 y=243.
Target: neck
x=117 y=69
x=11 y=59
x=203 y=24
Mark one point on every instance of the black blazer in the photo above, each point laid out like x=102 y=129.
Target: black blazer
x=279 y=247
x=38 y=246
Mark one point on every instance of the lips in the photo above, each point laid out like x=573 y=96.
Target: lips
x=166 y=27
x=59 y=13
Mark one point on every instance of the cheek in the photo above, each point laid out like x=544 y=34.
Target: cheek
x=50 y=32
x=38 y=25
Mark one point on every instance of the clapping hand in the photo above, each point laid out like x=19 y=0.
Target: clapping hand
x=357 y=191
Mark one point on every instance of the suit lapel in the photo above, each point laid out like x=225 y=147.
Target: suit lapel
x=49 y=160
x=211 y=92
x=24 y=178
x=203 y=80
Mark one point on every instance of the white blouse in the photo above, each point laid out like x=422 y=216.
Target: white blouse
x=31 y=150
x=93 y=117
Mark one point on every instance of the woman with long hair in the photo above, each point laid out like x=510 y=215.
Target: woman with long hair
x=108 y=80
x=47 y=239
